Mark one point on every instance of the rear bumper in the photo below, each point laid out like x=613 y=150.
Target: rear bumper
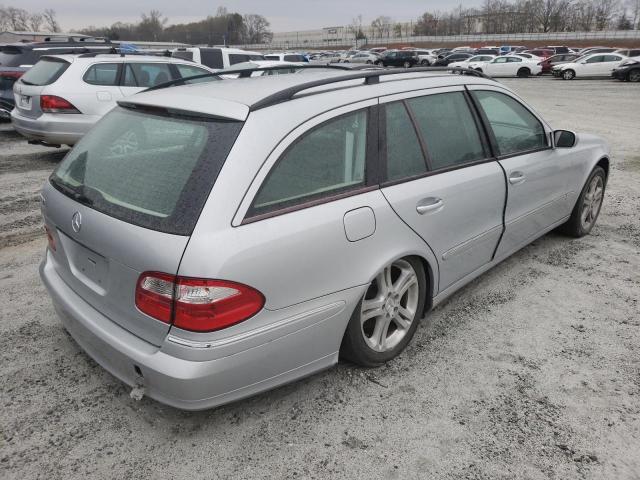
x=171 y=375
x=57 y=129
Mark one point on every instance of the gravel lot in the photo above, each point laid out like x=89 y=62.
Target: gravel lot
x=532 y=371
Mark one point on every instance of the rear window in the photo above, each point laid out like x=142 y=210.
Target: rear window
x=150 y=169
x=45 y=72
x=14 y=56
x=271 y=57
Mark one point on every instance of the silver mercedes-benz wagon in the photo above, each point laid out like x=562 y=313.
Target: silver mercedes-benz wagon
x=210 y=241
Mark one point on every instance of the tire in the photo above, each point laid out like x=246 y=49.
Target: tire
x=568 y=75
x=524 y=72
x=424 y=63
x=379 y=63
x=386 y=319
x=406 y=64
x=590 y=198
x=634 y=75
x=369 y=62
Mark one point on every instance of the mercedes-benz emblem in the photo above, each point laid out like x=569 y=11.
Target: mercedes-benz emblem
x=76 y=222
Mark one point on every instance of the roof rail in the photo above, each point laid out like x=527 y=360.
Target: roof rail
x=117 y=51
x=370 y=77
x=181 y=81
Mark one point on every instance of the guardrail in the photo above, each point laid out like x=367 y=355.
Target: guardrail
x=298 y=40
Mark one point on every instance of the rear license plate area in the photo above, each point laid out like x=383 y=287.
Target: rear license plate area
x=89 y=267
x=24 y=102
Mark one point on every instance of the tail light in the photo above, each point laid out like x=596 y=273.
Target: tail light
x=196 y=304
x=54 y=104
x=14 y=75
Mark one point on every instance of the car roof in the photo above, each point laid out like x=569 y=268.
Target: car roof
x=235 y=98
x=109 y=57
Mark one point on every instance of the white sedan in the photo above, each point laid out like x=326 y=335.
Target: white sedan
x=364 y=57
x=511 y=66
x=594 y=65
x=473 y=62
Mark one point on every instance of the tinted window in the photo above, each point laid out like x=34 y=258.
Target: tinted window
x=155 y=171
x=404 y=155
x=514 y=59
x=186 y=55
x=596 y=59
x=448 y=129
x=612 y=58
x=45 y=72
x=191 y=71
x=146 y=74
x=102 y=74
x=211 y=57
x=293 y=58
x=515 y=128
x=634 y=53
x=272 y=57
x=326 y=160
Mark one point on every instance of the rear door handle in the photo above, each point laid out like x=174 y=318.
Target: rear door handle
x=516 y=178
x=429 y=204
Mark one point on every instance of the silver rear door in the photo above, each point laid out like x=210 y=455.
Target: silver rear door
x=455 y=201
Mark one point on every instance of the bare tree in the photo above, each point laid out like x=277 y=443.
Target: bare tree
x=634 y=7
x=151 y=26
x=604 y=12
x=356 y=28
x=381 y=26
x=35 y=21
x=50 y=20
x=257 y=29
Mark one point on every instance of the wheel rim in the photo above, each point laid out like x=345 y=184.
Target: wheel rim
x=634 y=76
x=592 y=202
x=568 y=75
x=407 y=65
x=390 y=306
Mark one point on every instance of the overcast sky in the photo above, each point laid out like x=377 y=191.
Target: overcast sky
x=284 y=15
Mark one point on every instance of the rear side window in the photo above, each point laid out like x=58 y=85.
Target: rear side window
x=152 y=170
x=211 y=57
x=191 y=71
x=404 y=154
x=293 y=58
x=105 y=74
x=327 y=160
x=514 y=127
x=596 y=59
x=146 y=74
x=272 y=57
x=448 y=129
x=186 y=55
x=45 y=72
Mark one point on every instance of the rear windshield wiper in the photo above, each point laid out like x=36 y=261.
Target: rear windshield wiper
x=77 y=194
x=26 y=82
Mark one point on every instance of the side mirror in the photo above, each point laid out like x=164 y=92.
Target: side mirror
x=564 y=139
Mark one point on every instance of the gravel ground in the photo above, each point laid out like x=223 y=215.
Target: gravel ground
x=532 y=371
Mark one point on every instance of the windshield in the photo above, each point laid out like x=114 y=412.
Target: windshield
x=154 y=170
x=45 y=72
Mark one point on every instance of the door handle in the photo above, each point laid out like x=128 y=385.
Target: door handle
x=430 y=204
x=516 y=178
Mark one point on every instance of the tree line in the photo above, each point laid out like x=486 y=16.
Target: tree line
x=222 y=28
x=19 y=19
x=511 y=16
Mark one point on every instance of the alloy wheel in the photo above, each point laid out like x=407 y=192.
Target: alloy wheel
x=568 y=74
x=592 y=202
x=634 y=76
x=390 y=306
